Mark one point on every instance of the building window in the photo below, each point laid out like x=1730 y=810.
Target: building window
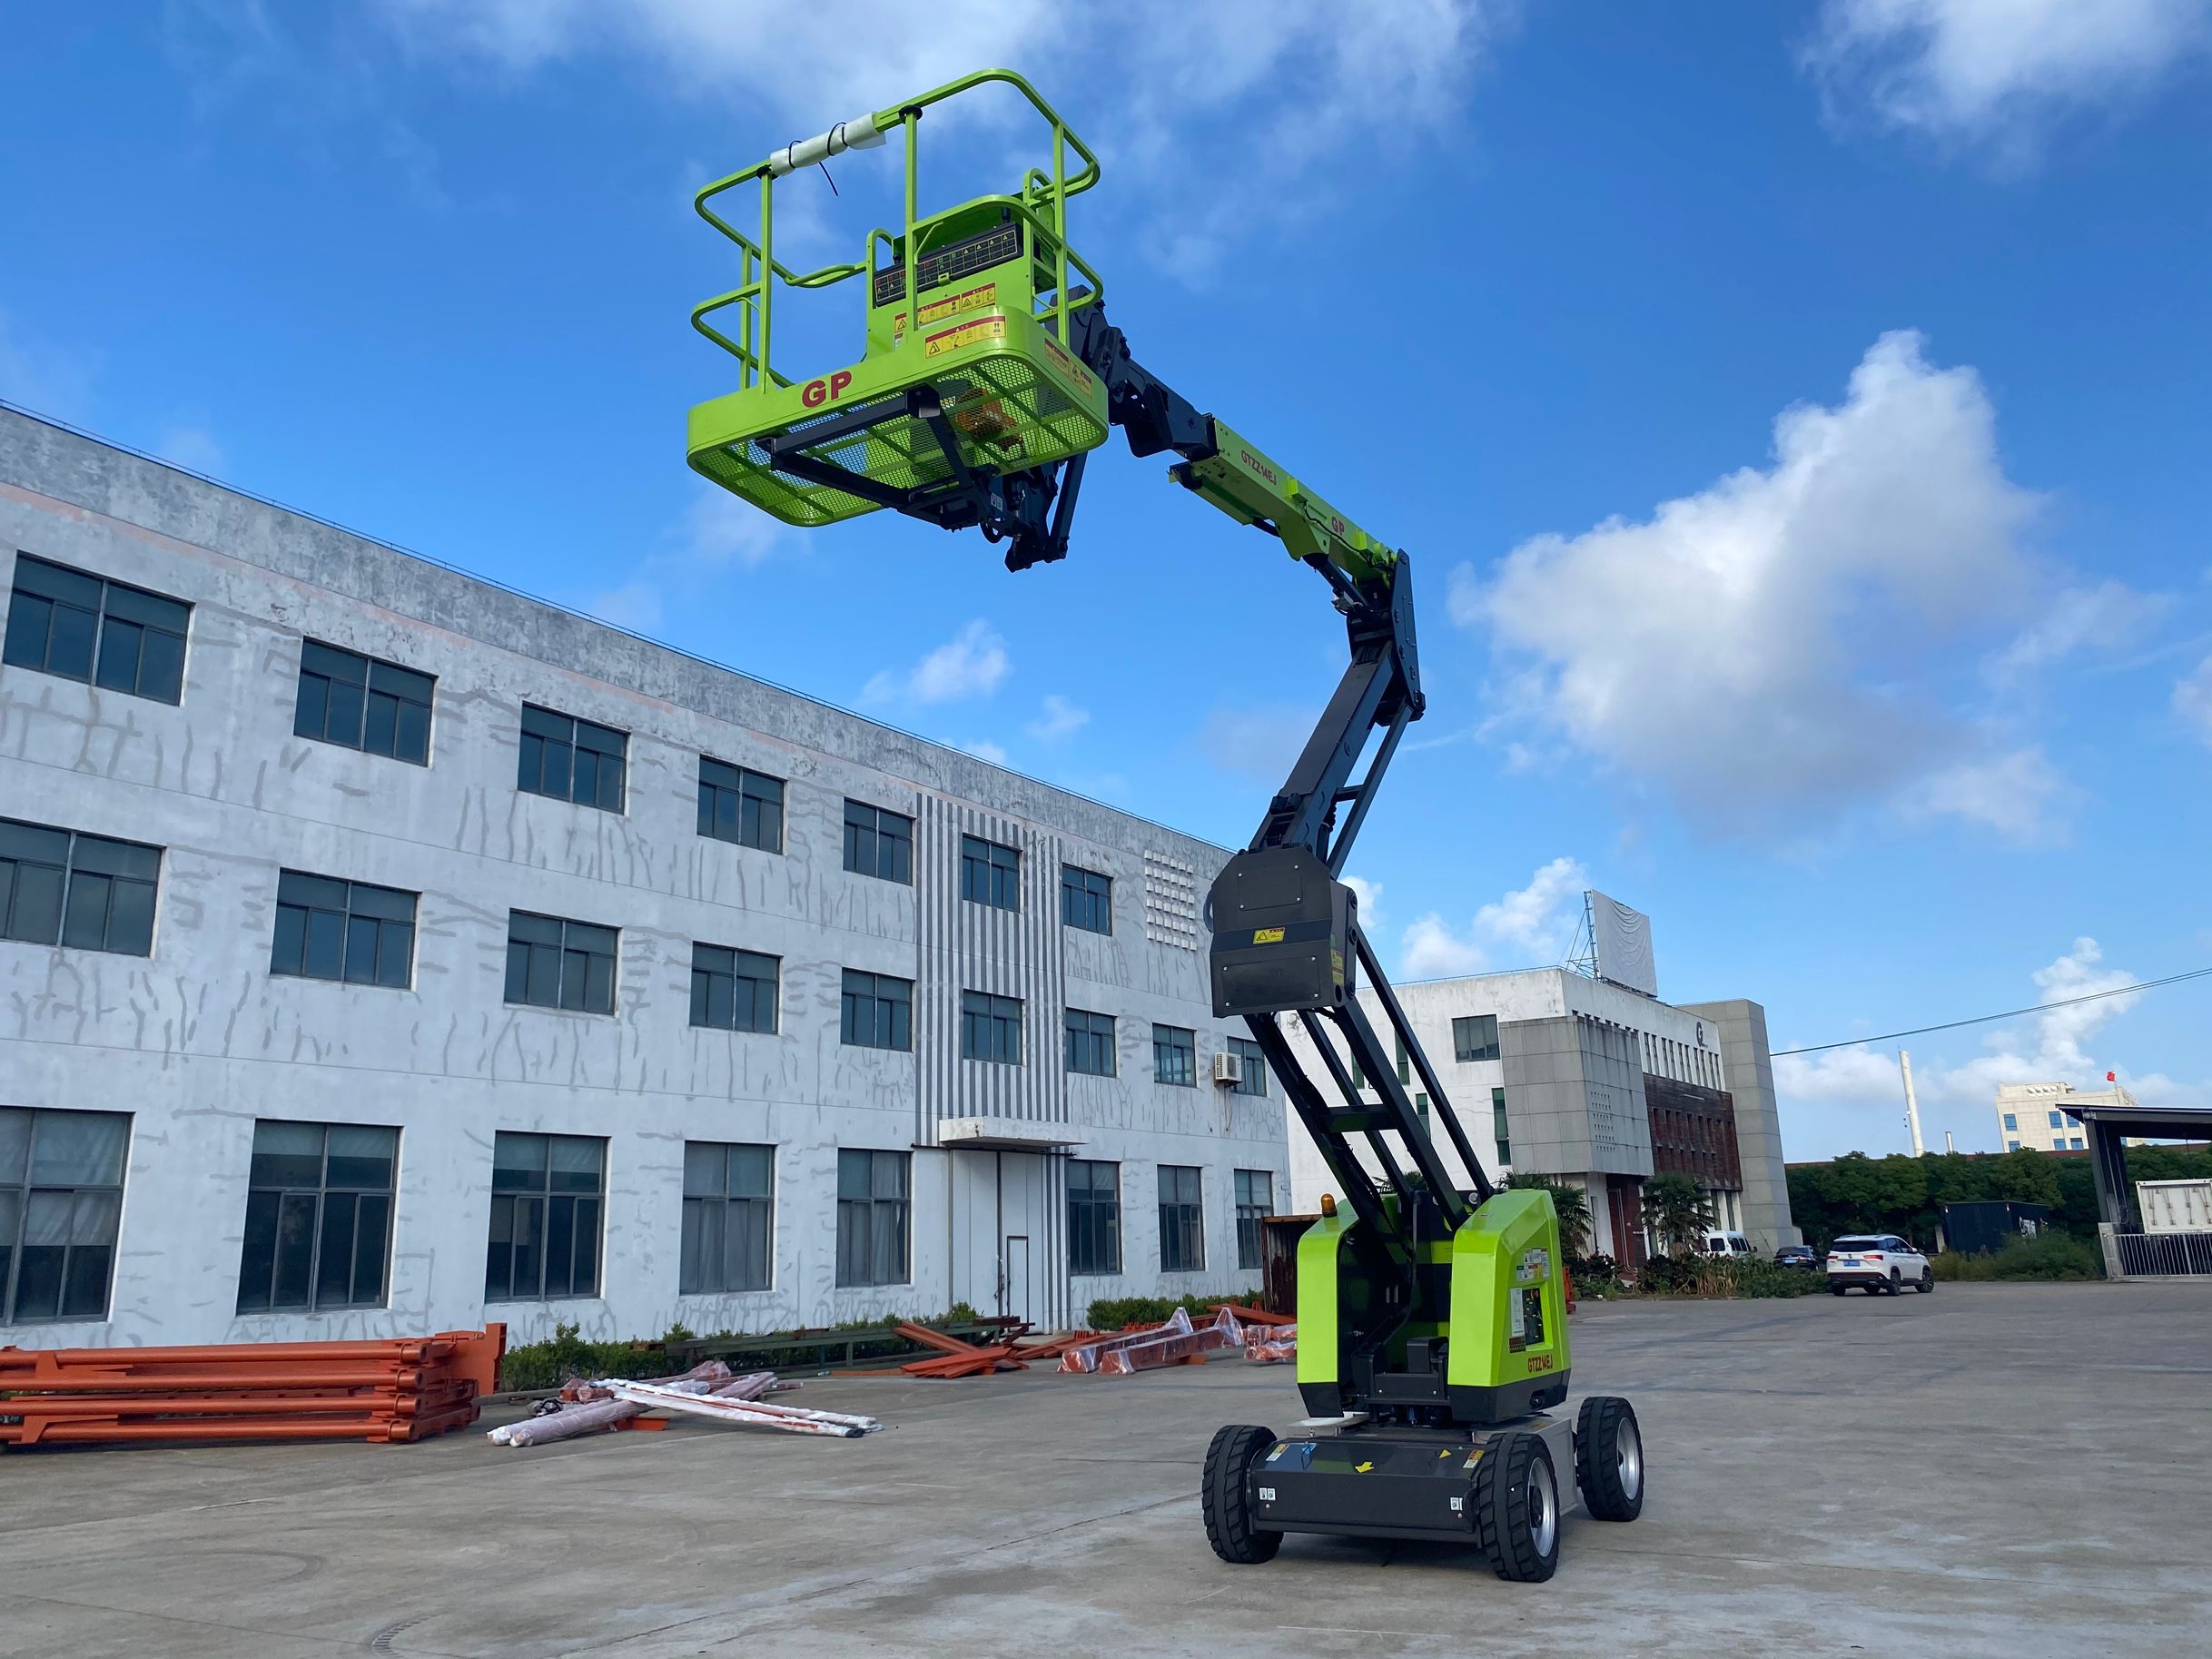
x=990 y=873
x=2058 y=1121
x=362 y=702
x=557 y=963
x=736 y=804
x=1094 y=1217
x=1175 y=1056
x=871 y=1213
x=571 y=760
x=345 y=930
x=732 y=990
x=107 y=634
x=2074 y=1144
x=547 y=1192
x=728 y=1217
x=1090 y=1040
x=2012 y=1146
x=1182 y=1220
x=1475 y=1037
x=318 y=1217
x=61 y=1199
x=989 y=1027
x=1086 y=899
x=85 y=892
x=877 y=1011
x=1255 y=1203
x=2011 y=1121
x=1497 y=1124
x=1252 y=1075
x=879 y=843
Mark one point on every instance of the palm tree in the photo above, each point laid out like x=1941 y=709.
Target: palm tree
x=1571 y=1205
x=1676 y=1209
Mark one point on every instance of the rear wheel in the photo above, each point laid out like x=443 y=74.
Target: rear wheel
x=1897 y=1282
x=1609 y=1458
x=1225 y=1495
x=1838 y=1289
x=1516 y=1502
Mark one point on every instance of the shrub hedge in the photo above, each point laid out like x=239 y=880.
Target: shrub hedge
x=2047 y=1256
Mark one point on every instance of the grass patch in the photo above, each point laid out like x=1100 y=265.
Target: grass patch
x=2047 y=1258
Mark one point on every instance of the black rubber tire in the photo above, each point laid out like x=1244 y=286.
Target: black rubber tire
x=1510 y=1461
x=1874 y=1290
x=1838 y=1289
x=1225 y=1495
x=1927 y=1285
x=1897 y=1283
x=1597 y=1458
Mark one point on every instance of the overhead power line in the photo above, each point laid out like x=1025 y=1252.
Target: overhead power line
x=1952 y=1025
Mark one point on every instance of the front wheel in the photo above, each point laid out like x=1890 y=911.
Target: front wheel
x=1516 y=1502
x=1927 y=1285
x=1226 y=1497
x=1609 y=1458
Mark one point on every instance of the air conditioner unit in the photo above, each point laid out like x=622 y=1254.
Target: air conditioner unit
x=1227 y=1068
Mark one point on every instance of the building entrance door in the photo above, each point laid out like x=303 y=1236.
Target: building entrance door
x=1014 y=1279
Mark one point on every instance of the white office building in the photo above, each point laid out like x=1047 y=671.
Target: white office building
x=1557 y=1073
x=381 y=951
x=2030 y=1116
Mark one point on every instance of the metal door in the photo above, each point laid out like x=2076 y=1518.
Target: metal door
x=1013 y=1278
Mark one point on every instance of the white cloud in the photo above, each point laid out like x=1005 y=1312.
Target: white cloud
x=1369 y=897
x=1779 y=645
x=1059 y=718
x=1262 y=744
x=2193 y=702
x=1997 y=71
x=984 y=750
x=721 y=531
x=1279 y=84
x=2019 y=796
x=969 y=665
x=635 y=606
x=1531 y=924
x=2058 y=1045
x=2107 y=619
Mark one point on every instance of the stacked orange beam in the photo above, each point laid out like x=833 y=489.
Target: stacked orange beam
x=404 y=1389
x=957 y=1358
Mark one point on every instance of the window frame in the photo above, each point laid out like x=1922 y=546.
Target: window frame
x=1251 y=1242
x=1252 y=1078
x=317 y=1198
x=104 y=1213
x=985 y=877
x=1182 y=1218
x=571 y=744
x=563 y=950
x=1469 y=1046
x=1082 y=904
x=754 y=1211
x=898 y=1024
x=746 y=788
x=868 y=838
x=379 y=678
x=71 y=901
x=1094 y=1219
x=375 y=929
x=1096 y=1035
x=990 y=1028
x=102 y=610
x=858 y=1218
x=572 y=1201
x=1165 y=1048
x=745 y=1011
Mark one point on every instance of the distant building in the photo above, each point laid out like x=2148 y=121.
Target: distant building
x=1555 y=1074
x=2032 y=1116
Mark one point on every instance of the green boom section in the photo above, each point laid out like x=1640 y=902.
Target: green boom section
x=1508 y=1312
x=1252 y=489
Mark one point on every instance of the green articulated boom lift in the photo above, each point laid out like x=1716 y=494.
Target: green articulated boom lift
x=1432 y=1311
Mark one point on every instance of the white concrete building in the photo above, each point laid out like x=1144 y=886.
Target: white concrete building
x=381 y=951
x=2030 y=1115
x=1557 y=1074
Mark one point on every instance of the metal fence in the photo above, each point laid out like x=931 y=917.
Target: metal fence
x=2166 y=1253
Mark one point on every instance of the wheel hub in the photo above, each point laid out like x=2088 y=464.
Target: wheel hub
x=1628 y=1456
x=1543 y=1507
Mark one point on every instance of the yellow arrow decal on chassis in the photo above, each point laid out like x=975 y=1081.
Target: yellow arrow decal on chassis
x=1361 y=1468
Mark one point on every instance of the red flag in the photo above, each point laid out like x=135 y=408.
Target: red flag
x=2111 y=1077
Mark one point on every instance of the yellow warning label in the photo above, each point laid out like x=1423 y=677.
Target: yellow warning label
x=953 y=305
x=1268 y=936
x=967 y=334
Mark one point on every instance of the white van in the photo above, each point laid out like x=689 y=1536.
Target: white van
x=1727 y=1244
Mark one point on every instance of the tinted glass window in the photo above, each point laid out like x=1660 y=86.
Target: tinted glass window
x=879 y=843
x=83 y=626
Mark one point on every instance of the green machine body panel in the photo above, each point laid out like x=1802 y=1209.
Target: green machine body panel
x=1508 y=1306
x=1320 y=1249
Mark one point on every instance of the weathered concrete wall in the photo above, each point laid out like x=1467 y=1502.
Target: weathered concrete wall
x=199 y=1041
x=1767 y=1222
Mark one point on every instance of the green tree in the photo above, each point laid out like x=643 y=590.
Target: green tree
x=1676 y=1209
x=1572 y=1205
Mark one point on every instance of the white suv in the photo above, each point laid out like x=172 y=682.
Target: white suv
x=1882 y=1262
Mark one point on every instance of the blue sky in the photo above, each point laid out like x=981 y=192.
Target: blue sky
x=1797 y=416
